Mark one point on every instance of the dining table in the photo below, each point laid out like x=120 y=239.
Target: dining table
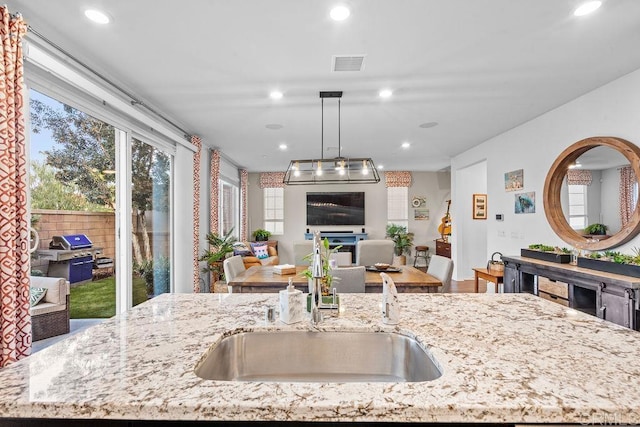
x=263 y=279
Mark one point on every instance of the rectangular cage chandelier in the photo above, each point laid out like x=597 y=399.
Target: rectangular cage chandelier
x=337 y=170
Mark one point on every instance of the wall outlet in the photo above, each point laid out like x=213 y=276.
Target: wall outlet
x=501 y=233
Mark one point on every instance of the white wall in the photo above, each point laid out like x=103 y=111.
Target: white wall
x=183 y=221
x=469 y=236
x=610 y=199
x=435 y=186
x=611 y=110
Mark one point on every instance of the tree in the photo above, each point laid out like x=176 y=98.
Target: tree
x=85 y=158
x=47 y=192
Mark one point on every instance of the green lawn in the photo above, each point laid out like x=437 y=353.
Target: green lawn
x=98 y=299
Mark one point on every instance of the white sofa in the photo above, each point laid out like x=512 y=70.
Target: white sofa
x=50 y=317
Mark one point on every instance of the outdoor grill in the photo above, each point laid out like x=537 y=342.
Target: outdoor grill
x=72 y=257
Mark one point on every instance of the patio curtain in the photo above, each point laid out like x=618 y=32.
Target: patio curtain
x=15 y=321
x=244 y=184
x=214 y=216
x=197 y=142
x=627 y=202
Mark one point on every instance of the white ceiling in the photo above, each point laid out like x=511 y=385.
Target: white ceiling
x=476 y=67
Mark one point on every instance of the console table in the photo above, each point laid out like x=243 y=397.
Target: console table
x=348 y=240
x=612 y=297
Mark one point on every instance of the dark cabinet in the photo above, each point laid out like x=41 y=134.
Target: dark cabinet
x=443 y=248
x=614 y=298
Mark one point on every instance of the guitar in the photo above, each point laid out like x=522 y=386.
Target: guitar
x=445 y=226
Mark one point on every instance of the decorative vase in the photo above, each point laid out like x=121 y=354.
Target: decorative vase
x=399 y=260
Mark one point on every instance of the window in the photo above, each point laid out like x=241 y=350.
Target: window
x=229 y=215
x=274 y=210
x=577 y=206
x=398 y=206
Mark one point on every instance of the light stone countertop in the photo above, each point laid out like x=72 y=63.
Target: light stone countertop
x=505 y=358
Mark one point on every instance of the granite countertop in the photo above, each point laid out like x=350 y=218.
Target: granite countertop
x=505 y=358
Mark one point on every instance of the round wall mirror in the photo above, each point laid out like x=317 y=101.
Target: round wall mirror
x=583 y=188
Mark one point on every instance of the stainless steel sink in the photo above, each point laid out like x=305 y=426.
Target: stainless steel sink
x=298 y=356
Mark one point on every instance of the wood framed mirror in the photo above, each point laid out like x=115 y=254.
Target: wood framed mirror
x=555 y=190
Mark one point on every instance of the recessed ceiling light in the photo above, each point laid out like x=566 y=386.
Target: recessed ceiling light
x=97 y=16
x=406 y=145
x=282 y=146
x=385 y=93
x=428 y=125
x=380 y=166
x=587 y=8
x=340 y=13
x=275 y=94
x=274 y=126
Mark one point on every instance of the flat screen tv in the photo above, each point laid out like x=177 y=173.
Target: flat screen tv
x=345 y=208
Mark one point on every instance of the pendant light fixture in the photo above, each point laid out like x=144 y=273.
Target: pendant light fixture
x=338 y=170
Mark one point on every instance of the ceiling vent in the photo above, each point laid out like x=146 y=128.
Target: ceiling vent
x=347 y=62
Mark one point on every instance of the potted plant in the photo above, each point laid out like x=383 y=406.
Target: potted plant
x=261 y=235
x=613 y=262
x=219 y=248
x=547 y=253
x=325 y=254
x=403 y=241
x=596 y=230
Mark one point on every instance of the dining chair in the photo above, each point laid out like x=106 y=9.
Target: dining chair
x=369 y=252
x=343 y=259
x=349 y=279
x=301 y=249
x=441 y=268
x=232 y=266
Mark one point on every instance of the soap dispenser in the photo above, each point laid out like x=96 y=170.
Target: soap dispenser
x=291 y=304
x=390 y=303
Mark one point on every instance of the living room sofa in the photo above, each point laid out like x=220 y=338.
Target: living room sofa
x=251 y=260
x=50 y=317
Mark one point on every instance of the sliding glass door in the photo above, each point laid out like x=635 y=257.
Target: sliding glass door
x=151 y=172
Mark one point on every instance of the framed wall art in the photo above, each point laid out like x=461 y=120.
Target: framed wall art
x=421 y=214
x=525 y=203
x=479 y=206
x=514 y=180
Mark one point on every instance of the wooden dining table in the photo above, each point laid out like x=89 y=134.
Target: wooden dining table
x=263 y=279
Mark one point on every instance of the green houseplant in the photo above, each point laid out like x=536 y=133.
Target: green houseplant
x=402 y=239
x=596 y=230
x=261 y=235
x=219 y=248
x=325 y=254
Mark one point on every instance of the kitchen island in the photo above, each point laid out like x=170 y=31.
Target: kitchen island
x=505 y=358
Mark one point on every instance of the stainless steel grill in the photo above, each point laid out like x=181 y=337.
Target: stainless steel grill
x=71 y=256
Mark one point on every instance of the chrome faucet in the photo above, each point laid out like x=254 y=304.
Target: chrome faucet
x=315 y=285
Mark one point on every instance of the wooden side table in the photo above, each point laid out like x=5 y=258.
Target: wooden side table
x=493 y=276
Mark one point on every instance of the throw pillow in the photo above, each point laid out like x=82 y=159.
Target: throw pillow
x=36 y=295
x=260 y=250
x=240 y=248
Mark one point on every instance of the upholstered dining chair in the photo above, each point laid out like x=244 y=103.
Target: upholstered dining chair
x=301 y=249
x=343 y=259
x=441 y=268
x=369 y=252
x=349 y=279
x=232 y=267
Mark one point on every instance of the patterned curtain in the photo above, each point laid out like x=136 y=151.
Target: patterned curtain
x=15 y=321
x=579 y=177
x=627 y=205
x=397 y=179
x=195 y=140
x=272 y=180
x=215 y=190
x=244 y=183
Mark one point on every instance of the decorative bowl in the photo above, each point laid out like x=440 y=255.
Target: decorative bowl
x=381 y=265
